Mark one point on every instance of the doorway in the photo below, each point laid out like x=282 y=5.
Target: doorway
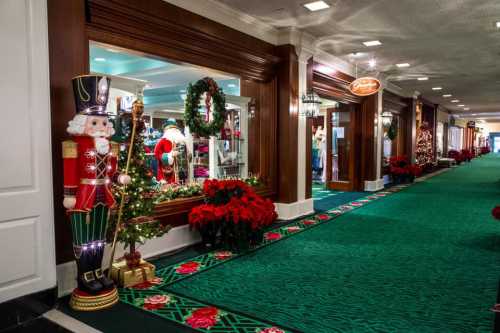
x=340 y=148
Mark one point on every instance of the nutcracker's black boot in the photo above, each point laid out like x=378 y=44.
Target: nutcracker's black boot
x=103 y=279
x=86 y=279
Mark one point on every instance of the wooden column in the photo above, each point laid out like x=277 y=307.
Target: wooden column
x=288 y=102
x=309 y=124
x=368 y=152
x=68 y=57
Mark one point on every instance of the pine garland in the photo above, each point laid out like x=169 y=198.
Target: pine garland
x=193 y=118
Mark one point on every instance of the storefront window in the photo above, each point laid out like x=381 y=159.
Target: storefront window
x=164 y=87
x=455 y=138
x=440 y=139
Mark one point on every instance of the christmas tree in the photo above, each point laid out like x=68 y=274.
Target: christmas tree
x=137 y=222
x=424 y=153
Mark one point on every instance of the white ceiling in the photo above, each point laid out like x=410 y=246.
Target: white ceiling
x=453 y=42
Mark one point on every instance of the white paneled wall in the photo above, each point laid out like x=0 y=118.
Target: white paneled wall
x=27 y=253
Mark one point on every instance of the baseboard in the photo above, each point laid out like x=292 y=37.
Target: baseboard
x=176 y=238
x=374 y=185
x=290 y=211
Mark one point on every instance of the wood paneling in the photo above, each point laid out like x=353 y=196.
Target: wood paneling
x=67 y=50
x=288 y=102
x=309 y=125
x=159 y=28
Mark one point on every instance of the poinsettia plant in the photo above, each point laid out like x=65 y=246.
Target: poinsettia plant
x=234 y=211
x=456 y=155
x=496 y=212
x=402 y=170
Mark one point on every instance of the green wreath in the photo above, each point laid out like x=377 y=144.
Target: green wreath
x=193 y=118
x=392 y=131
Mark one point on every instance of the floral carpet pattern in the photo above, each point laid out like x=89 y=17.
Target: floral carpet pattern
x=158 y=299
x=417 y=259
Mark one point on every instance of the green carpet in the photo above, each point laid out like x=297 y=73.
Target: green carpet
x=422 y=260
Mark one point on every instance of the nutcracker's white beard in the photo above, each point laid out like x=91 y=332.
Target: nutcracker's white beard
x=174 y=135
x=101 y=145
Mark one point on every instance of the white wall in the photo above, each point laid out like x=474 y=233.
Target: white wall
x=27 y=257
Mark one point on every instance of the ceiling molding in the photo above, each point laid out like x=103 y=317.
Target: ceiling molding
x=230 y=17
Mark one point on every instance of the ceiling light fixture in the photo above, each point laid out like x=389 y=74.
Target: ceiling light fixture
x=467 y=109
x=437 y=88
x=447 y=95
x=372 y=63
x=425 y=78
x=316 y=5
x=405 y=64
x=461 y=105
x=455 y=100
x=100 y=59
x=498 y=24
x=372 y=43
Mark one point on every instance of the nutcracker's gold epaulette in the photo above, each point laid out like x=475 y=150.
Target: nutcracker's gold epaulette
x=115 y=148
x=69 y=149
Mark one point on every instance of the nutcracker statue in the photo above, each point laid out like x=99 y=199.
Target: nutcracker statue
x=90 y=162
x=172 y=155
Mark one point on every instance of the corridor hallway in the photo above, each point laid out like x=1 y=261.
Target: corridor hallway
x=421 y=260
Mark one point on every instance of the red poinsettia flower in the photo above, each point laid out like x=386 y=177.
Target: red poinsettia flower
x=496 y=212
x=188 y=267
x=156 y=302
x=272 y=236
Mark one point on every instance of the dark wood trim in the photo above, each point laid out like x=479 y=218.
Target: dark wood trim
x=288 y=103
x=309 y=124
x=162 y=29
x=67 y=50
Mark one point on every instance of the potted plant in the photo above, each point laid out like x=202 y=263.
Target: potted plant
x=234 y=212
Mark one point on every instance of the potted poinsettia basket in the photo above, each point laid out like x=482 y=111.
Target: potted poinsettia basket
x=233 y=217
x=402 y=171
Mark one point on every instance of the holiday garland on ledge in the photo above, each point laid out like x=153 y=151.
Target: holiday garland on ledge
x=194 y=120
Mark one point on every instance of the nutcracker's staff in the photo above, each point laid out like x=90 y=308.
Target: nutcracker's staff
x=137 y=110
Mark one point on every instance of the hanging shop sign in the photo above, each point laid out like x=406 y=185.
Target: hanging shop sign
x=365 y=86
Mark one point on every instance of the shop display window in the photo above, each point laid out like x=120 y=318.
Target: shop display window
x=163 y=85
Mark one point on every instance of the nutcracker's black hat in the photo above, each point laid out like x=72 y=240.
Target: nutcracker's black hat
x=91 y=94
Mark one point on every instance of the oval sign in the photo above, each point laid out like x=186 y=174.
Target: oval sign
x=364 y=86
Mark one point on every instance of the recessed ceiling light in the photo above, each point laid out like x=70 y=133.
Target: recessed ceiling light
x=405 y=64
x=461 y=105
x=437 y=88
x=100 y=59
x=372 y=63
x=467 y=109
x=316 y=5
x=423 y=78
x=447 y=95
x=498 y=24
x=455 y=100
x=372 y=43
